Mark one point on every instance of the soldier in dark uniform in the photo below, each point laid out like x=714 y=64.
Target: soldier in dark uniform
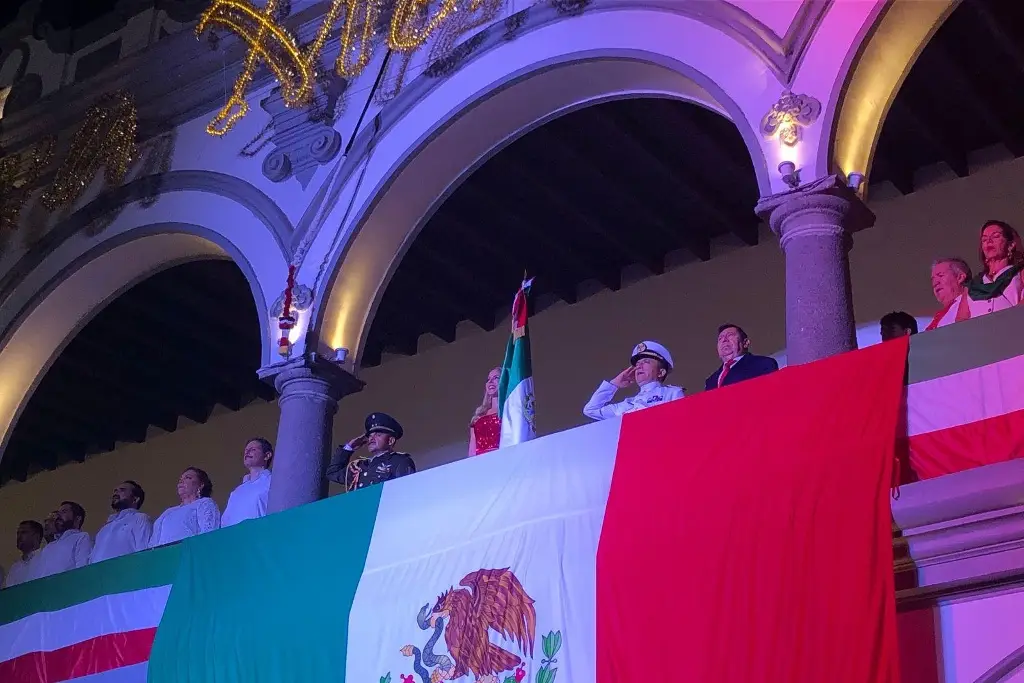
x=383 y=463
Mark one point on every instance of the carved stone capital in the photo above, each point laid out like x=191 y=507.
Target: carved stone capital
x=277 y=166
x=823 y=207
x=311 y=377
x=301 y=141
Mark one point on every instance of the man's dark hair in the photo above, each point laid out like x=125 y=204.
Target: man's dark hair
x=900 y=319
x=34 y=525
x=76 y=509
x=136 y=490
x=206 y=488
x=726 y=326
x=265 y=445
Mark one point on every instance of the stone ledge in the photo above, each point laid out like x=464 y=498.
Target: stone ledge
x=960 y=530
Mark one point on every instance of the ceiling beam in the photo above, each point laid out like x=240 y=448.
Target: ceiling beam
x=622 y=204
x=130 y=365
x=625 y=248
x=713 y=161
x=113 y=382
x=511 y=221
x=584 y=218
x=907 y=119
x=426 y=287
x=55 y=411
x=979 y=103
x=995 y=28
x=511 y=258
x=687 y=123
x=693 y=236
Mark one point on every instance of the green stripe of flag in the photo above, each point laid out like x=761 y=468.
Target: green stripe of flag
x=138 y=571
x=277 y=589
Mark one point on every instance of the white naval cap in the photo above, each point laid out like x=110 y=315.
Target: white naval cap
x=651 y=349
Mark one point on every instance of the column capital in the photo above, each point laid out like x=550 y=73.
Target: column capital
x=826 y=206
x=311 y=376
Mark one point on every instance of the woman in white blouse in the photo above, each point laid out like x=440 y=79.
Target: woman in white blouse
x=249 y=499
x=196 y=514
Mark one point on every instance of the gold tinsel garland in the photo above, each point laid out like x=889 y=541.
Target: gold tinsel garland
x=295 y=68
x=105 y=139
x=18 y=175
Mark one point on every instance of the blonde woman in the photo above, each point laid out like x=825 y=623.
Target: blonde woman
x=485 y=426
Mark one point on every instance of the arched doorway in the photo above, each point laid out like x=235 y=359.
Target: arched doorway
x=428 y=151
x=171 y=346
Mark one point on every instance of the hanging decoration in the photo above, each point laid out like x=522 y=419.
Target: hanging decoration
x=18 y=175
x=105 y=139
x=286 y=321
x=412 y=24
x=477 y=14
x=446 y=53
x=295 y=67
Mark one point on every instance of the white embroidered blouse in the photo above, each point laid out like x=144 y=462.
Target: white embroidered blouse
x=182 y=521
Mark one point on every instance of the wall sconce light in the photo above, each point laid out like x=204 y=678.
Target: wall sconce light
x=790 y=174
x=854 y=180
x=340 y=355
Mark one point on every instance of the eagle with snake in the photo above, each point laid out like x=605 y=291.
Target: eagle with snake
x=490 y=599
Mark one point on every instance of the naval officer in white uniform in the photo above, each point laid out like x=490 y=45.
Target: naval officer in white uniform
x=649 y=365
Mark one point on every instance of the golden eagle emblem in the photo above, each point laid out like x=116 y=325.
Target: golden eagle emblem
x=487 y=600
x=491 y=599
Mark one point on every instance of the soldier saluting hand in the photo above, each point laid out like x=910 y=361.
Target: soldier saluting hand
x=383 y=463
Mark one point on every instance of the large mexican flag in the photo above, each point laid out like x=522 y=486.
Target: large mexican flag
x=738 y=536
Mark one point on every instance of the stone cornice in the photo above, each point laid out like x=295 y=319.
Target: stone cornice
x=961 y=532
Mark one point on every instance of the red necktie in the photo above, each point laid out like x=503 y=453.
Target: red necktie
x=725 y=371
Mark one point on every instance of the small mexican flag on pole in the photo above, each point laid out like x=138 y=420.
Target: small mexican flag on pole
x=515 y=389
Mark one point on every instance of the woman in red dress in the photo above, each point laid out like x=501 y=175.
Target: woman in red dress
x=485 y=426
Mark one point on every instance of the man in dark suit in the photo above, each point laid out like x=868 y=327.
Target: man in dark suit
x=738 y=363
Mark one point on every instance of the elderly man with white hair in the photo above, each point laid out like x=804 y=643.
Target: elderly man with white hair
x=949 y=280
x=649 y=365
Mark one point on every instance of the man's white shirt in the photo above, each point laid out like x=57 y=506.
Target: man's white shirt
x=600 y=407
x=22 y=570
x=126 y=532
x=69 y=550
x=248 y=500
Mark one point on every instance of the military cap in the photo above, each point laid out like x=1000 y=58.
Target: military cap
x=651 y=349
x=382 y=422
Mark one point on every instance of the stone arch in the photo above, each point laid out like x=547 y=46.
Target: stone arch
x=68 y=278
x=185 y=198
x=877 y=67
x=501 y=95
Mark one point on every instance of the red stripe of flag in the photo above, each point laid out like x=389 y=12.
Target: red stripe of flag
x=967 y=446
x=92 y=656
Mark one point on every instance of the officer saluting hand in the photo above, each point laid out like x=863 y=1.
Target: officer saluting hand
x=649 y=365
x=383 y=463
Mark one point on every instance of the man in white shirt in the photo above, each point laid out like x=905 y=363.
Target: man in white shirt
x=28 y=540
x=127 y=530
x=649 y=365
x=70 y=547
x=249 y=499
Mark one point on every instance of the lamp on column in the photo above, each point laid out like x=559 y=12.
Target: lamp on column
x=786 y=120
x=790 y=174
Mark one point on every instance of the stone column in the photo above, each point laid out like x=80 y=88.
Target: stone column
x=814 y=224
x=309 y=388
